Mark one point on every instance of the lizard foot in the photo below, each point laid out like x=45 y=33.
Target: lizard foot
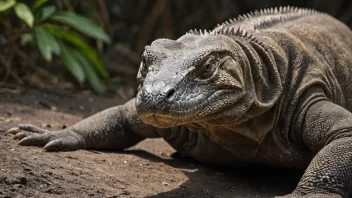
x=64 y=140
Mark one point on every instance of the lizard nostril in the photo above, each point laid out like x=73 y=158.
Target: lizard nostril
x=169 y=94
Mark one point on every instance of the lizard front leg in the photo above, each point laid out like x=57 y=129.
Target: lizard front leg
x=114 y=128
x=327 y=130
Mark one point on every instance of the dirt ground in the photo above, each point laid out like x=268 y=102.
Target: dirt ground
x=146 y=170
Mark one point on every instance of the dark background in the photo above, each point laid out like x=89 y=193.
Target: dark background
x=138 y=22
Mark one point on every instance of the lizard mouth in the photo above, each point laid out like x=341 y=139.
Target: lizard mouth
x=204 y=110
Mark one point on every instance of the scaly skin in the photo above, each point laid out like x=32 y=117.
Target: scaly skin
x=272 y=88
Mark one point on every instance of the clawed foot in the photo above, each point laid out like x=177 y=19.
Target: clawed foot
x=65 y=140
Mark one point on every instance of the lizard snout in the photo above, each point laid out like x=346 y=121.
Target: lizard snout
x=155 y=98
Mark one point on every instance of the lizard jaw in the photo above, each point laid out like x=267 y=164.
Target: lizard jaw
x=198 y=113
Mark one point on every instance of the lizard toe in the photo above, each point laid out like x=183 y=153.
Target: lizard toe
x=21 y=135
x=35 y=139
x=31 y=128
x=63 y=144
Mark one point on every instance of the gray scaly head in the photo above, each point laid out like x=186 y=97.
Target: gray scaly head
x=190 y=80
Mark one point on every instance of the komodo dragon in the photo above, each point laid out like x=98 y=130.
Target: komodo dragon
x=271 y=87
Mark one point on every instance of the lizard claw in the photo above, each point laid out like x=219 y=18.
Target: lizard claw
x=12 y=131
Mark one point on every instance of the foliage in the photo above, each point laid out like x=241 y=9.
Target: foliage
x=58 y=33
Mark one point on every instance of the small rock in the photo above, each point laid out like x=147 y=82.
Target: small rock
x=48 y=172
x=165 y=183
x=111 y=196
x=125 y=193
x=44 y=125
x=48 y=183
x=16 y=179
x=50 y=190
x=18 y=185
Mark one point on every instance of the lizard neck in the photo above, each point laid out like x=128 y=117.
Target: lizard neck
x=263 y=84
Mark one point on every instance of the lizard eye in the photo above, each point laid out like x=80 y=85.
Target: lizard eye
x=208 y=69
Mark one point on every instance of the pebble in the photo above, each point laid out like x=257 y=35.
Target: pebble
x=27 y=169
x=16 y=179
x=111 y=196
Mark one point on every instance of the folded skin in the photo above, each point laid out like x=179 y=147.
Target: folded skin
x=271 y=88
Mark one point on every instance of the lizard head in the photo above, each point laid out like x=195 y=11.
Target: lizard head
x=193 y=79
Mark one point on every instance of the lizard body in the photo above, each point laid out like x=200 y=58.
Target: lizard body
x=272 y=87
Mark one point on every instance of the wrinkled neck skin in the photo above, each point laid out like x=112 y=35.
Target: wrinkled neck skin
x=262 y=85
x=246 y=85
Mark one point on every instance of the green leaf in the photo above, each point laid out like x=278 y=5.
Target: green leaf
x=44 y=13
x=27 y=38
x=46 y=42
x=81 y=24
x=72 y=63
x=24 y=13
x=39 y=3
x=6 y=4
x=92 y=77
x=81 y=44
